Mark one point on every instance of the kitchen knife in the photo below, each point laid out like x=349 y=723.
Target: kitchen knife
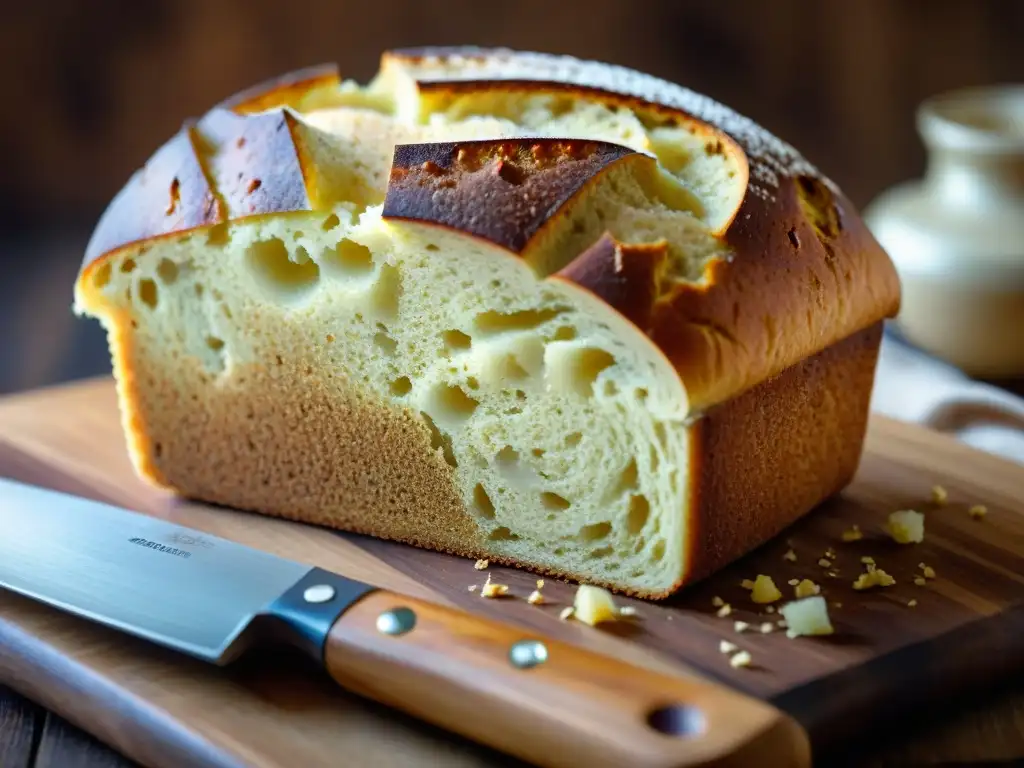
x=548 y=702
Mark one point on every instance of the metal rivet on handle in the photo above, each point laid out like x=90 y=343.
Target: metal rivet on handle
x=528 y=653
x=319 y=593
x=397 y=621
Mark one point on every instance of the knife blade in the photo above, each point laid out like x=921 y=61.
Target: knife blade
x=540 y=699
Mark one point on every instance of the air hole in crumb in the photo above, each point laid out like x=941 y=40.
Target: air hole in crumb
x=627 y=479
x=502 y=534
x=538 y=452
x=639 y=511
x=401 y=386
x=507 y=456
x=440 y=440
x=199 y=290
x=329 y=338
x=330 y=222
x=659 y=550
x=101 y=278
x=602 y=552
x=595 y=531
x=348 y=259
x=450 y=405
x=386 y=292
x=558 y=551
x=573 y=439
x=482 y=503
x=167 y=271
x=432 y=247
x=214 y=343
x=148 y=293
x=276 y=272
x=387 y=345
x=610 y=389
x=554 y=501
x=576 y=369
x=564 y=333
x=499 y=322
x=128 y=265
x=455 y=339
x=641 y=394
x=472 y=382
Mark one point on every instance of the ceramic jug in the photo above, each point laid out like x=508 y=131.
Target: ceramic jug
x=956 y=236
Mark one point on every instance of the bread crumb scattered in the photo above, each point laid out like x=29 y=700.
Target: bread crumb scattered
x=741 y=626
x=853 y=534
x=793 y=582
x=781 y=624
x=726 y=647
x=764 y=590
x=911 y=603
x=747 y=584
x=724 y=611
x=920 y=581
x=594 y=605
x=627 y=611
x=830 y=553
x=490 y=589
x=808 y=616
x=717 y=602
x=566 y=613
x=927 y=570
x=741 y=659
x=767 y=628
x=769 y=609
x=806 y=588
x=473 y=587
x=481 y=565
x=536 y=598
x=837 y=605
x=939 y=495
x=825 y=562
x=790 y=556
x=875 y=577
x=906 y=526
x=868 y=560
x=978 y=511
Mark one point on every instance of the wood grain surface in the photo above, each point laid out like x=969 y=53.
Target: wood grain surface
x=888 y=665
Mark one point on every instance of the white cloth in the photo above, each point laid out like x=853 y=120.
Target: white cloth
x=912 y=386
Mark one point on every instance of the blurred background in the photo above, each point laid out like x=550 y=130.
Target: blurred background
x=94 y=86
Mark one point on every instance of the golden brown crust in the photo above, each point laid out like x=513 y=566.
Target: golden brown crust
x=502 y=190
x=171 y=194
x=287 y=90
x=795 y=438
x=235 y=149
x=805 y=271
x=627 y=277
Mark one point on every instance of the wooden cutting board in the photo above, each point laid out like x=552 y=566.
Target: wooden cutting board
x=887 y=663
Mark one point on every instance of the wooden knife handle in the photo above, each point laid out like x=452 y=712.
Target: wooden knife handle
x=548 y=702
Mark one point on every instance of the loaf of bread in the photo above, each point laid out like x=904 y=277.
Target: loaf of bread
x=515 y=306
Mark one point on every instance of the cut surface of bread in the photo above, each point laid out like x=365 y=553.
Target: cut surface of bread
x=500 y=318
